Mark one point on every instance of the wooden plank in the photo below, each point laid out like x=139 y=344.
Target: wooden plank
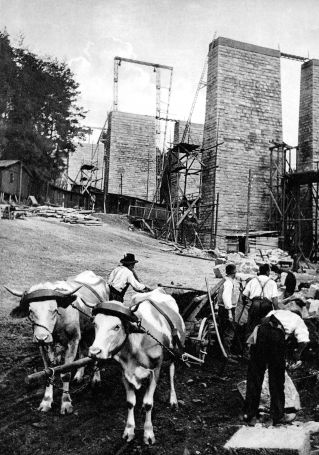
x=180 y=287
x=148 y=227
x=195 y=257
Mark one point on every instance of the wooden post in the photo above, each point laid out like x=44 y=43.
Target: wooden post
x=248 y=213
x=177 y=199
x=20 y=182
x=216 y=220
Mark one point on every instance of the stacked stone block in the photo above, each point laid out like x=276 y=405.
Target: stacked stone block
x=130 y=155
x=308 y=154
x=193 y=136
x=243 y=114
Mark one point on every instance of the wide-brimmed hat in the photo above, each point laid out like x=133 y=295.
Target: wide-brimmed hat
x=129 y=258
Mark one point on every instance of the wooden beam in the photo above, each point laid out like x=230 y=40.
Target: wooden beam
x=180 y=287
x=140 y=62
x=190 y=209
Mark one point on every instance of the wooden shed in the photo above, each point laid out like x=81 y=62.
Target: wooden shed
x=258 y=240
x=15 y=179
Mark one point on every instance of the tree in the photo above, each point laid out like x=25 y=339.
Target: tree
x=7 y=75
x=42 y=116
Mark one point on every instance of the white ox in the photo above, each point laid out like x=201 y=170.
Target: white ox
x=60 y=313
x=138 y=353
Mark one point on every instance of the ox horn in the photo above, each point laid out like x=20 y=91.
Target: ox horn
x=67 y=293
x=13 y=291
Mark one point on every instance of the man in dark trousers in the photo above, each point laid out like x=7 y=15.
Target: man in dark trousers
x=290 y=280
x=122 y=277
x=227 y=301
x=262 y=294
x=268 y=350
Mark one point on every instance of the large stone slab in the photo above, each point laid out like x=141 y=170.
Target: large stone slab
x=272 y=440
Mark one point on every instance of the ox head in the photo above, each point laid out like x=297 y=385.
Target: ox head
x=112 y=322
x=42 y=308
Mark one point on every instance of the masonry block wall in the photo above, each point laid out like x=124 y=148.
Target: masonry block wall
x=130 y=167
x=194 y=135
x=308 y=139
x=308 y=154
x=243 y=114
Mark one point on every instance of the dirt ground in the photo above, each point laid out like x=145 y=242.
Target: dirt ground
x=37 y=249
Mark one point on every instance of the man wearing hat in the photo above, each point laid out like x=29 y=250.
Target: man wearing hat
x=227 y=301
x=123 y=276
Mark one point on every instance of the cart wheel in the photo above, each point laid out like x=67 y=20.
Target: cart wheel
x=203 y=338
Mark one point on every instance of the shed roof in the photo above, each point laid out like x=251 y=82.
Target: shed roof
x=8 y=163
x=4 y=164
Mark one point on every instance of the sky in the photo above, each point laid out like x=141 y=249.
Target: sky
x=88 y=34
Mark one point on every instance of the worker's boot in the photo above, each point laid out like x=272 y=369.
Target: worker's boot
x=286 y=419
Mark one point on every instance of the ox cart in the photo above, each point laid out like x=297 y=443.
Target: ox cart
x=201 y=330
x=200 y=318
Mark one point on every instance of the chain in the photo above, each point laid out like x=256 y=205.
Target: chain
x=53 y=382
x=171 y=353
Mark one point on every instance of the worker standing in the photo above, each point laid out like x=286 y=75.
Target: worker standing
x=122 y=277
x=287 y=279
x=262 y=295
x=268 y=350
x=227 y=302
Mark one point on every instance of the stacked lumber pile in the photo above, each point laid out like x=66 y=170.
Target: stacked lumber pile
x=78 y=218
x=66 y=215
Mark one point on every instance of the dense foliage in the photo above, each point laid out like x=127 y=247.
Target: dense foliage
x=39 y=116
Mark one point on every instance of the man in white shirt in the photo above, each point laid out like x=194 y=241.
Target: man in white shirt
x=268 y=350
x=122 y=277
x=262 y=294
x=227 y=302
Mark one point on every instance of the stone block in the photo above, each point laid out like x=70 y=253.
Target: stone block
x=220 y=271
x=313 y=291
x=260 y=440
x=220 y=261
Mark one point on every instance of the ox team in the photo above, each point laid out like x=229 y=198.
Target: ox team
x=62 y=312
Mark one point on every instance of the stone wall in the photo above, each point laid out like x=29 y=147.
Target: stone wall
x=308 y=154
x=130 y=155
x=193 y=136
x=243 y=114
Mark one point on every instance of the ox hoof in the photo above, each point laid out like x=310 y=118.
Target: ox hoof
x=96 y=380
x=66 y=408
x=149 y=438
x=128 y=435
x=44 y=406
x=174 y=405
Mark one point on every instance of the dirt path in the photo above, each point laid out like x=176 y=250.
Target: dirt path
x=35 y=250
